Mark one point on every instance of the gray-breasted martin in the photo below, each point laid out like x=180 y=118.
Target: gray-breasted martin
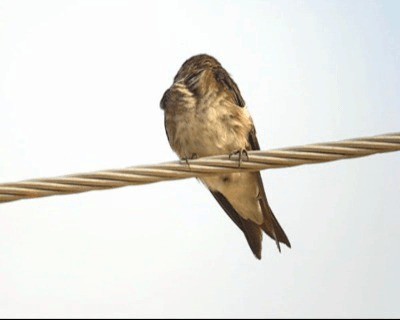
x=206 y=115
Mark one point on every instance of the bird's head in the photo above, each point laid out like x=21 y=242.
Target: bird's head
x=195 y=65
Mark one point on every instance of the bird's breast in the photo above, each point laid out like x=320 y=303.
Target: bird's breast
x=208 y=126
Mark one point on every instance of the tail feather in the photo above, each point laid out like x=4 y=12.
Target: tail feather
x=272 y=227
x=251 y=230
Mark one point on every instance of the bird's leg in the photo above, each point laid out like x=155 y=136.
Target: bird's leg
x=240 y=153
x=186 y=159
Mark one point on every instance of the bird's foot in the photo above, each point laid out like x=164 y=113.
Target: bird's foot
x=186 y=159
x=241 y=153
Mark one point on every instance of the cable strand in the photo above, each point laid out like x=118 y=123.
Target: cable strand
x=257 y=160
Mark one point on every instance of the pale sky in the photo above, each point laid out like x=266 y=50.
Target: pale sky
x=80 y=85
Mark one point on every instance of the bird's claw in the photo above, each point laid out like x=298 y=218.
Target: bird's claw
x=240 y=153
x=186 y=159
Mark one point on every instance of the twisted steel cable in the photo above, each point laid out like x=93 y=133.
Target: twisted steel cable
x=256 y=160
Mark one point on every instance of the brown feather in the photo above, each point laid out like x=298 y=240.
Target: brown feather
x=271 y=225
x=251 y=230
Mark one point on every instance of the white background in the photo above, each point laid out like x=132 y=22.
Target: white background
x=80 y=85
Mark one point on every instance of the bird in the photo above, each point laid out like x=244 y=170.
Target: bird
x=205 y=115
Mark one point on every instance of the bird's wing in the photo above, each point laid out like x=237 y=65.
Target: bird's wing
x=230 y=86
x=163 y=105
x=271 y=225
x=250 y=229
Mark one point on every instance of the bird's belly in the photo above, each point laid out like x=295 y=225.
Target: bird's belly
x=205 y=139
x=207 y=132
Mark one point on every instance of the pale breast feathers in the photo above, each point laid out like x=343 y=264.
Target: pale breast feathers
x=205 y=115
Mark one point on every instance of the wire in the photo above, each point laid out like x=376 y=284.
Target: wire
x=257 y=160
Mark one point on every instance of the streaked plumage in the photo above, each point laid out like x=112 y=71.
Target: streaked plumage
x=206 y=115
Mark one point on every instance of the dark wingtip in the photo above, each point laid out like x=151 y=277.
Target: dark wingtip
x=256 y=249
x=257 y=255
x=286 y=242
